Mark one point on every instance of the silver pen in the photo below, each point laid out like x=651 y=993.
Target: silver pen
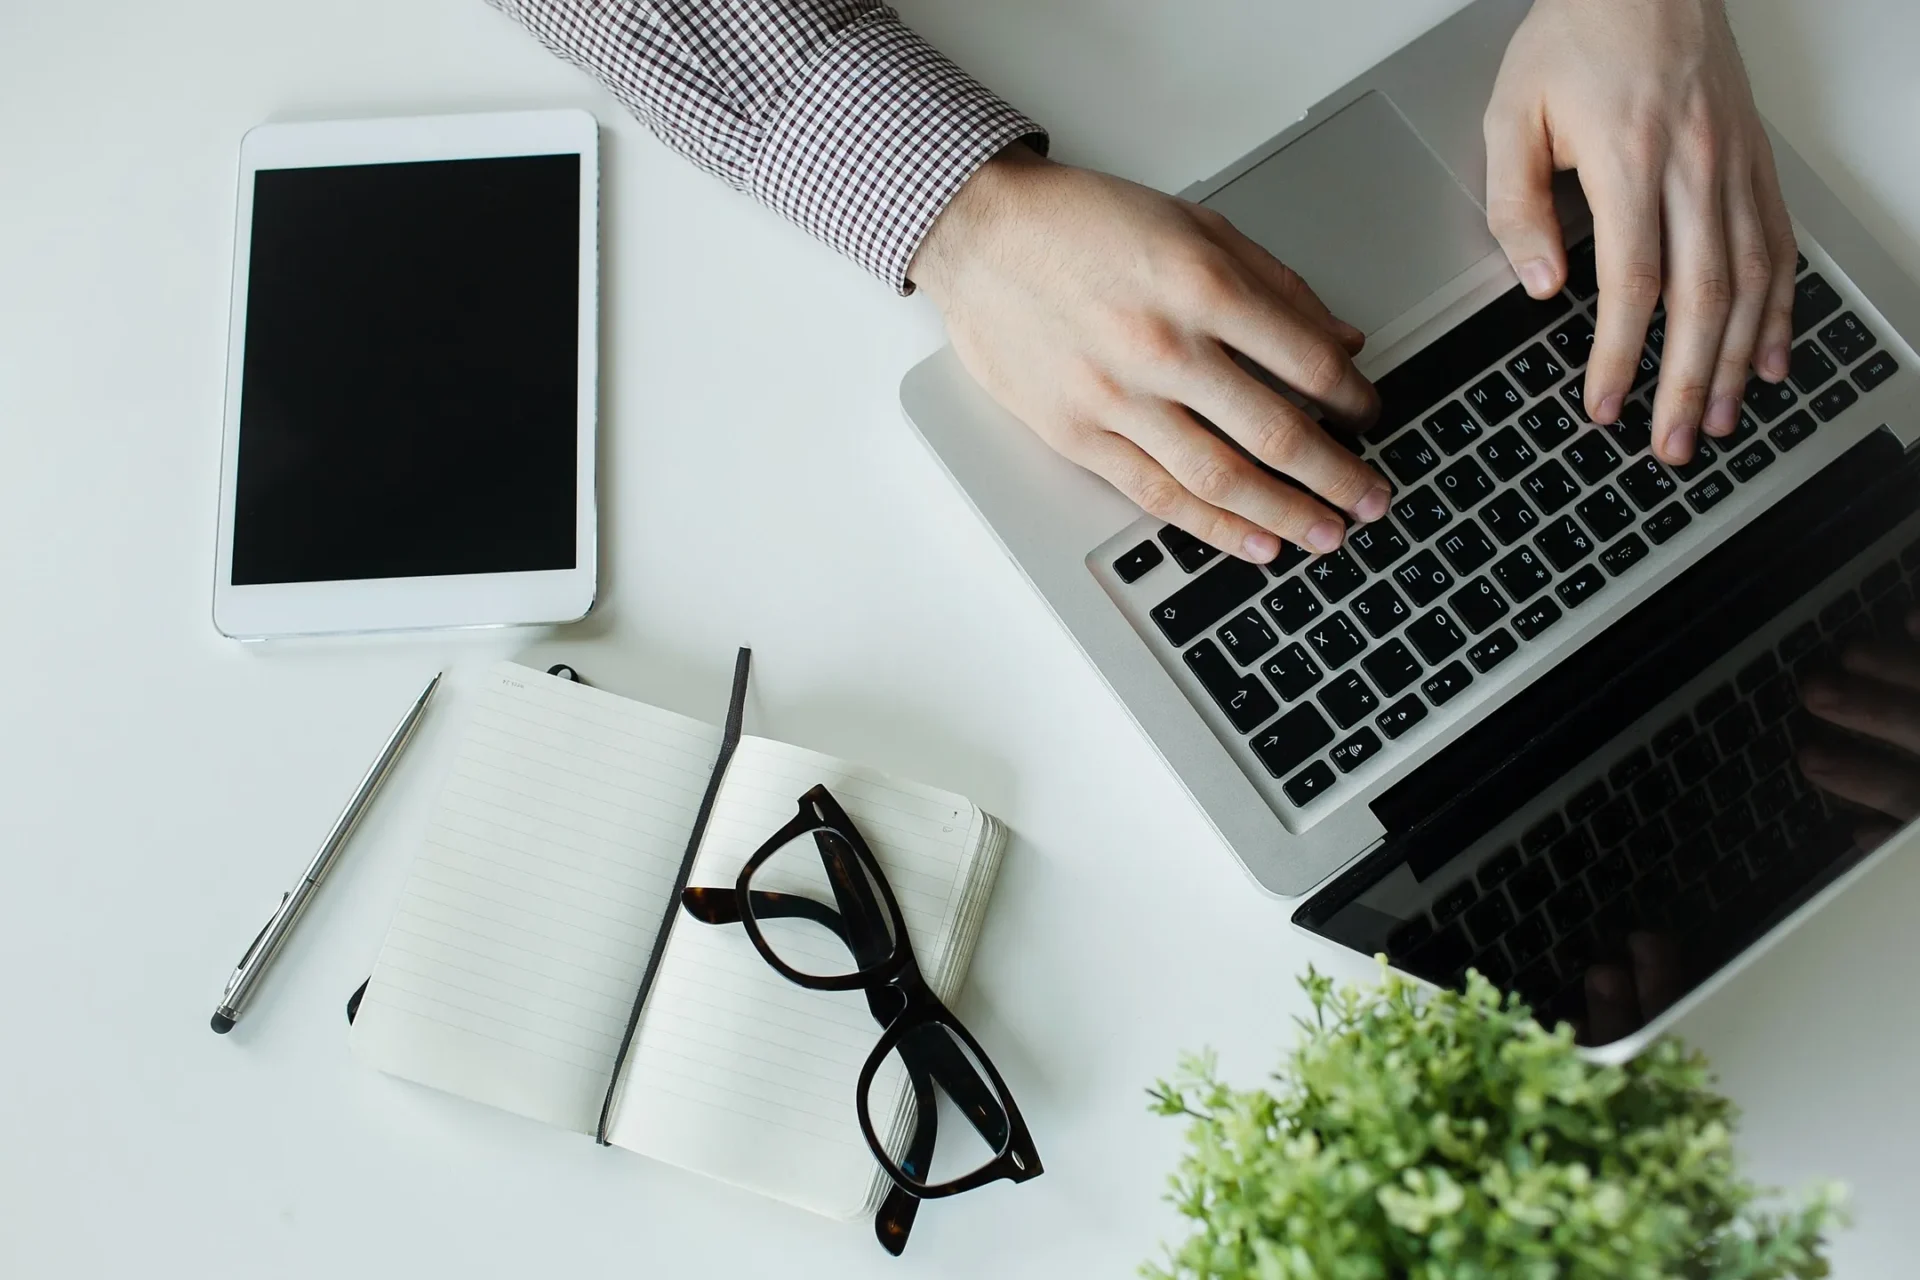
x=247 y=974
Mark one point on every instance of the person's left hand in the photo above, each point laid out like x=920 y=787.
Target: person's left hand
x=1649 y=101
x=1876 y=695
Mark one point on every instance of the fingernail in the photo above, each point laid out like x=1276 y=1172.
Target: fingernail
x=1537 y=275
x=1723 y=416
x=1774 y=363
x=1609 y=408
x=1373 y=506
x=1325 y=536
x=1261 y=547
x=1680 y=444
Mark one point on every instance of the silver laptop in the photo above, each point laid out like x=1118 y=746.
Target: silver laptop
x=1541 y=720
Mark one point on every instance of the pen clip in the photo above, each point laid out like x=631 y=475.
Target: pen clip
x=259 y=938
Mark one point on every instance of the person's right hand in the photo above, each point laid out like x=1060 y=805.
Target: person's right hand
x=1105 y=316
x=1876 y=695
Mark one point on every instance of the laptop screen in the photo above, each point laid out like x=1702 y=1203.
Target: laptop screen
x=1667 y=795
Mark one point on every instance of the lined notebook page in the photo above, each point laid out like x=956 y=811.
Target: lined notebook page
x=736 y=1072
x=522 y=934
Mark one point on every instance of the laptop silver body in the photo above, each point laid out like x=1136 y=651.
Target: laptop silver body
x=1374 y=196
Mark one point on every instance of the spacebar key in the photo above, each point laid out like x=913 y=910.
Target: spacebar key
x=1207 y=599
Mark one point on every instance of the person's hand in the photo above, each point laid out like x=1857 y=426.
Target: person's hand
x=1649 y=101
x=1876 y=696
x=1106 y=316
x=1626 y=993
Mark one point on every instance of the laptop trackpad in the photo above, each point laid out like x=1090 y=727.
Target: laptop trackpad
x=1364 y=210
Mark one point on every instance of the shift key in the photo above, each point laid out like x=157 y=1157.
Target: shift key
x=1207 y=599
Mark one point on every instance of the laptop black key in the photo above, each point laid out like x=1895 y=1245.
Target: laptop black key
x=1310 y=783
x=1187 y=551
x=1293 y=739
x=1536 y=370
x=1672 y=735
x=1704 y=456
x=1392 y=667
x=1291 y=672
x=1572 y=342
x=1792 y=431
x=1289 y=559
x=1509 y=517
x=1435 y=636
x=1757 y=673
x=1379 y=544
x=1522 y=573
x=1348 y=699
x=1409 y=456
x=1666 y=522
x=1540 y=837
x=1478 y=605
x=1657 y=334
x=1768 y=400
x=1583 y=278
x=1710 y=493
x=1536 y=617
x=1401 y=716
x=1875 y=370
x=1292 y=605
x=1498 y=867
x=1356 y=751
x=1494 y=650
x=1246 y=637
x=1592 y=457
x=1624 y=554
x=1423 y=578
x=1380 y=609
x=1419 y=383
x=1715 y=704
x=1810 y=367
x=1488 y=918
x=1848 y=339
x=1466 y=547
x=1567 y=908
x=1575 y=396
x=1656 y=791
x=1633 y=429
x=1244 y=699
x=1422 y=513
x=1452 y=427
x=1813 y=301
x=1507 y=453
x=1494 y=399
x=1605 y=512
x=1550 y=487
x=1465 y=484
x=1208 y=598
x=1646 y=370
x=1564 y=542
x=1335 y=576
x=1580 y=586
x=1751 y=461
x=1548 y=425
x=1532 y=935
x=1135 y=563
x=1443 y=685
x=1573 y=853
x=1336 y=641
x=1835 y=400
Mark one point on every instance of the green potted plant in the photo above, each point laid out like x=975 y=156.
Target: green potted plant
x=1446 y=1136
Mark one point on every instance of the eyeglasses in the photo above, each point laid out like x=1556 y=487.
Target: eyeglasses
x=860 y=944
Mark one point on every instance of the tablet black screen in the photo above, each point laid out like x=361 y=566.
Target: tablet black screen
x=408 y=399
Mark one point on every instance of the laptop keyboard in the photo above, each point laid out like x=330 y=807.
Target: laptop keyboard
x=1704 y=818
x=1511 y=511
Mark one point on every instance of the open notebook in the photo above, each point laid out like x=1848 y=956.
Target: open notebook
x=521 y=938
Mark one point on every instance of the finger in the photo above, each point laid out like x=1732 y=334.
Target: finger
x=1872 y=779
x=1776 y=326
x=1284 y=281
x=1871 y=835
x=1656 y=971
x=1297 y=351
x=1612 y=1009
x=1520 y=210
x=1895 y=664
x=1626 y=239
x=1751 y=266
x=1884 y=712
x=1126 y=467
x=1279 y=434
x=1210 y=470
x=1699 y=297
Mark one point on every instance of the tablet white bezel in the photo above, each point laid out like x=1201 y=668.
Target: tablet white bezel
x=460 y=600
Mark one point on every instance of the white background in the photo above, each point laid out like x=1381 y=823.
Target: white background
x=160 y=786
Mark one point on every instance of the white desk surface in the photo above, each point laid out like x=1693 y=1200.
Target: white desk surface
x=159 y=785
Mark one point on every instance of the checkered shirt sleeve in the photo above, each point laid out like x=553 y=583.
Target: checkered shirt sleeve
x=831 y=112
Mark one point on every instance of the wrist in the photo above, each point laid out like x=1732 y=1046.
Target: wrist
x=968 y=221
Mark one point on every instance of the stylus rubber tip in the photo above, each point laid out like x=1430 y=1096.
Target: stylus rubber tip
x=222 y=1024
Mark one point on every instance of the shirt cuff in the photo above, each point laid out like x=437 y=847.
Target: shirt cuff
x=875 y=140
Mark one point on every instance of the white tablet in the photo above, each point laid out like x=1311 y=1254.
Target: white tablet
x=409 y=434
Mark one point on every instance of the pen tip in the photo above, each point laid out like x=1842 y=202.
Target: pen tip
x=222 y=1024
